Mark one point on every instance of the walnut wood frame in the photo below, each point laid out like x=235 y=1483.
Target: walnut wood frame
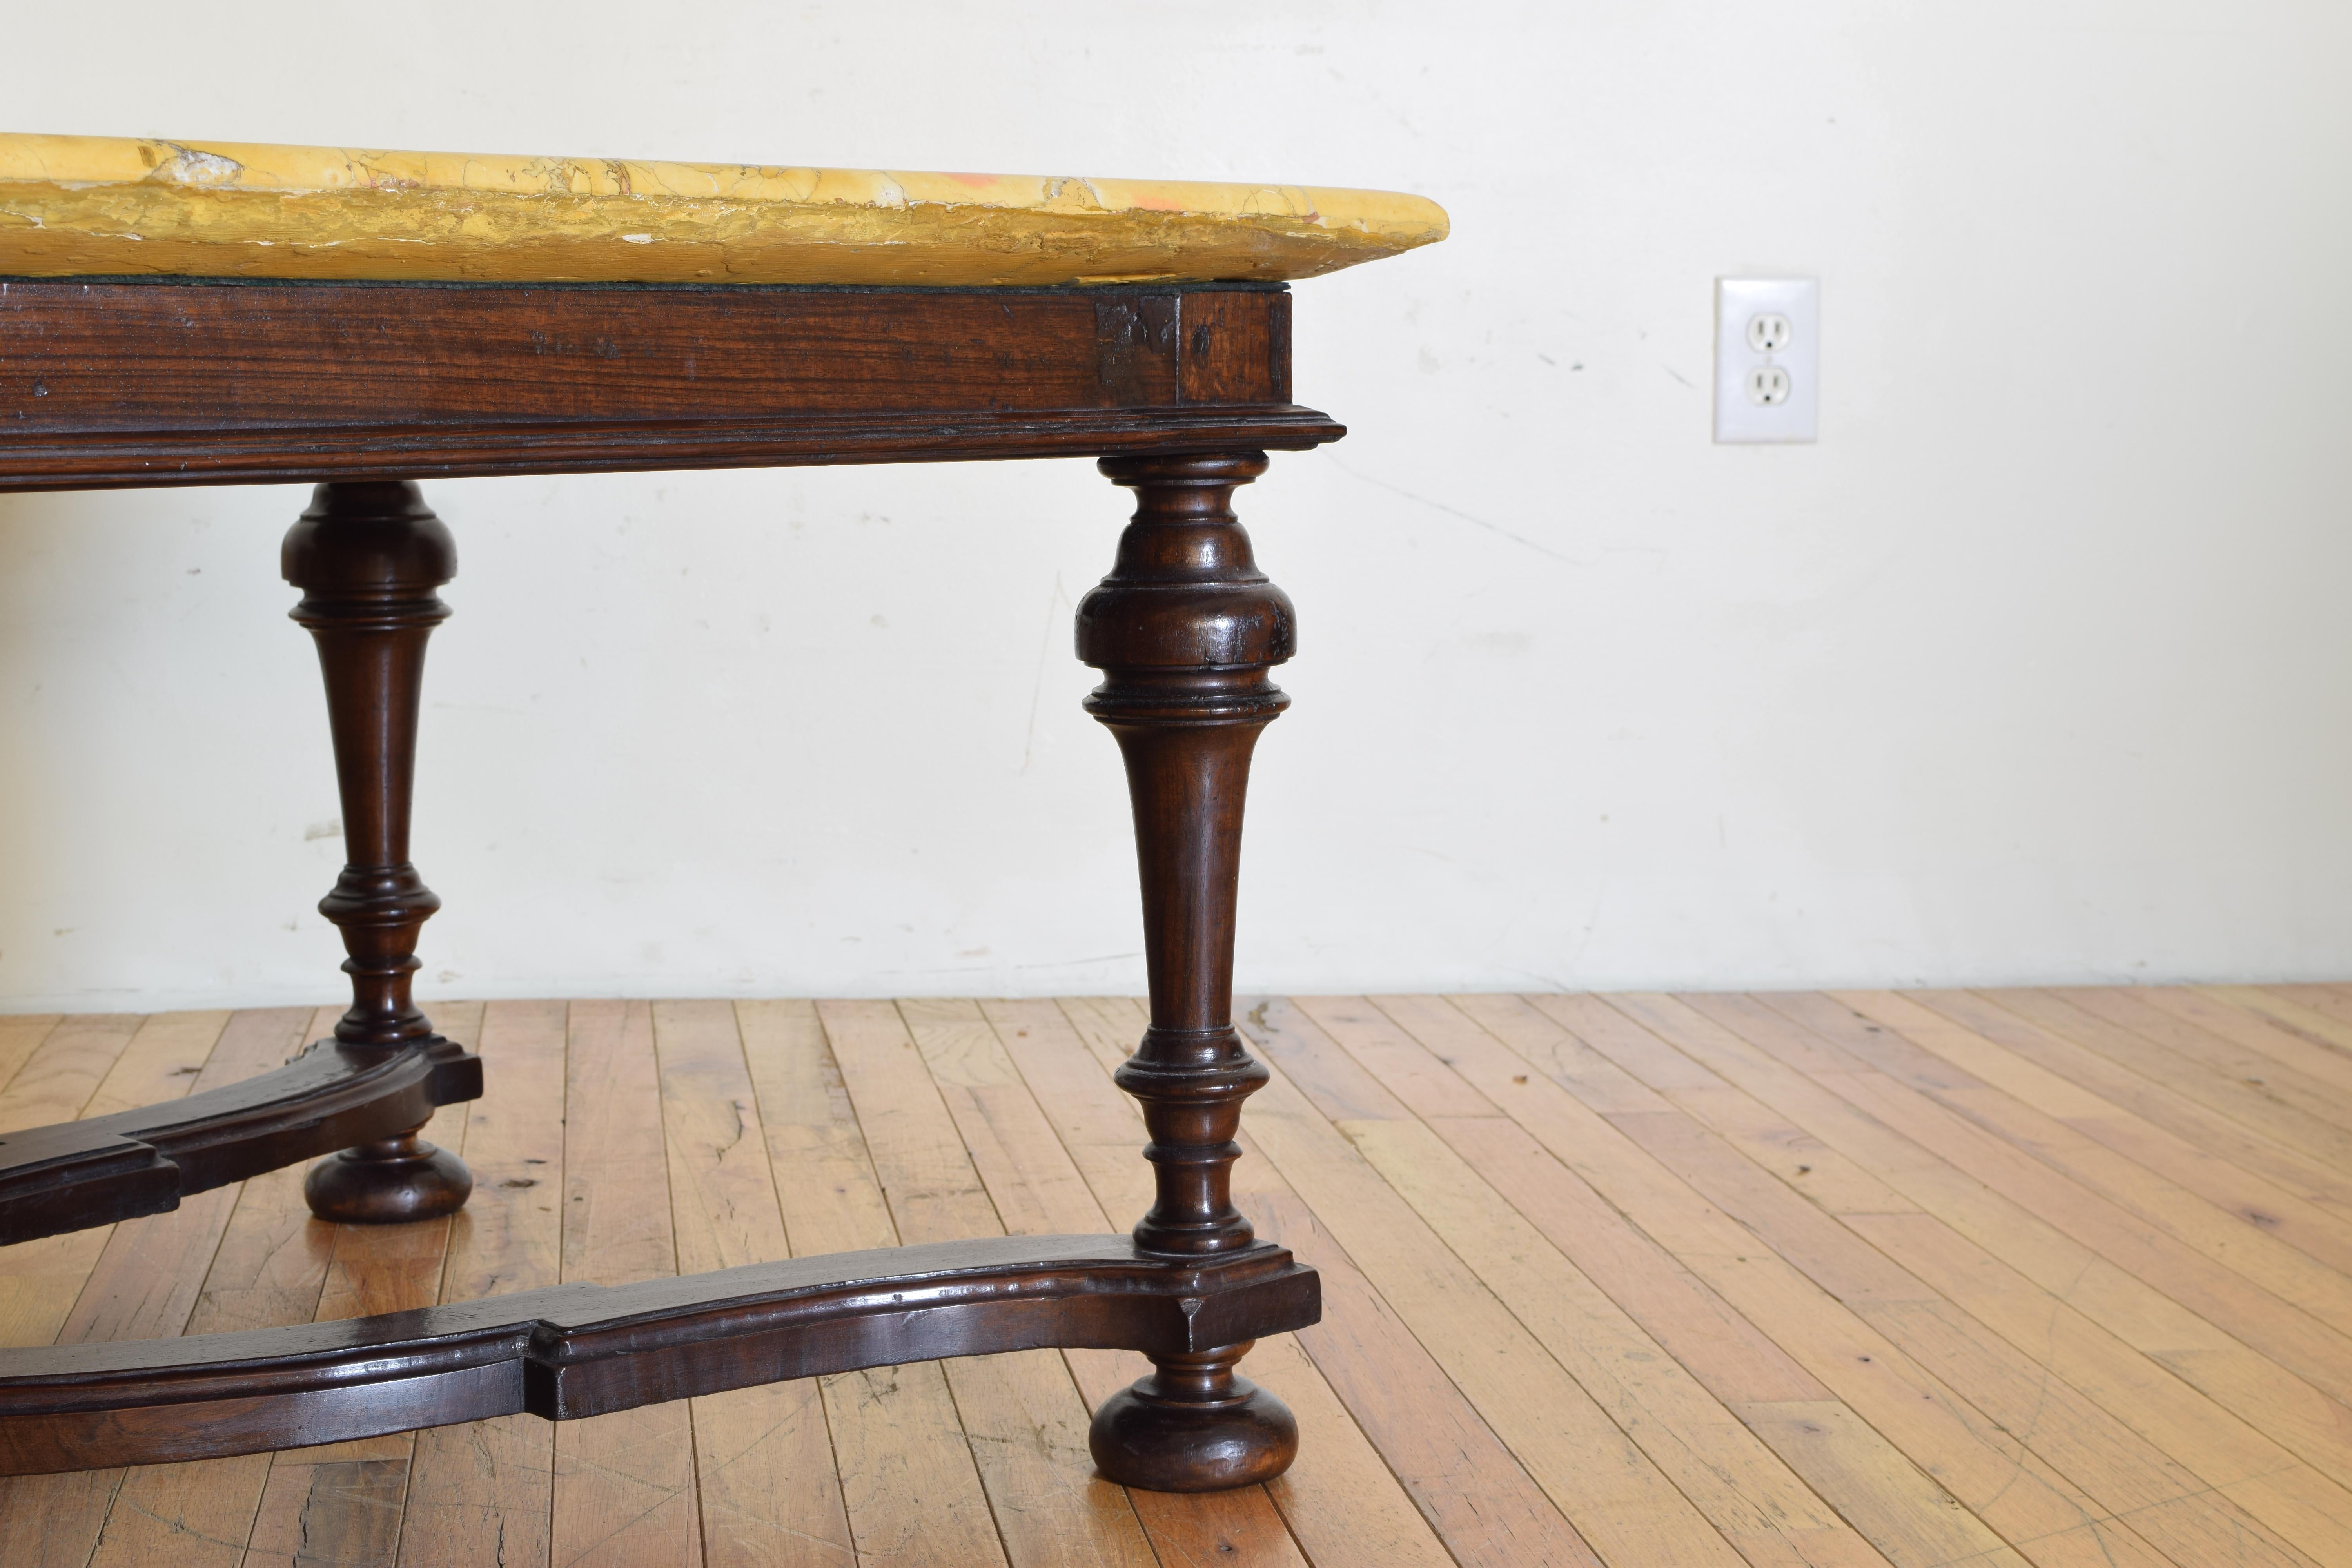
x=368 y=387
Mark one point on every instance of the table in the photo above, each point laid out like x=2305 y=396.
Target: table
x=172 y=314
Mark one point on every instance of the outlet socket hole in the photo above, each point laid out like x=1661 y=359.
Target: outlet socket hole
x=1767 y=386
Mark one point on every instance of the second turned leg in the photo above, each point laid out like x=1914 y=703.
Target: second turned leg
x=1185 y=630
x=368 y=556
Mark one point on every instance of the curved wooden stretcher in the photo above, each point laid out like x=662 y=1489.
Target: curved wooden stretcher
x=182 y=314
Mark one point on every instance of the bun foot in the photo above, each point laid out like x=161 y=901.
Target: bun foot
x=1193 y=1427
x=388 y=1182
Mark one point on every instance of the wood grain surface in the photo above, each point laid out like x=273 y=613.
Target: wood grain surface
x=207 y=381
x=1792 y=1281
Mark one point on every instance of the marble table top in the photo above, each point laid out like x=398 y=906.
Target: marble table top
x=87 y=205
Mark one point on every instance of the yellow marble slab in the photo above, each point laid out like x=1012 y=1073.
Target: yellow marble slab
x=87 y=205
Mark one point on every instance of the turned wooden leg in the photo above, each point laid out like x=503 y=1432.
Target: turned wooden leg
x=368 y=556
x=1185 y=629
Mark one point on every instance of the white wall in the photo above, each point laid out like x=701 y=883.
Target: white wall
x=2035 y=668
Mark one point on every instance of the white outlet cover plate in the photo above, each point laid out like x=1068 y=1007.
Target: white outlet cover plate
x=1739 y=417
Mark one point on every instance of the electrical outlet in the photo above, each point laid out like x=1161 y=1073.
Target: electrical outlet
x=1767 y=359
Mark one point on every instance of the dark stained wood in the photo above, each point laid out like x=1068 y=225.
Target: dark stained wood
x=368 y=387
x=1185 y=629
x=368 y=555
x=573 y=1351
x=191 y=381
x=1137 y=351
x=388 y=1181
x=435 y=354
x=452 y=451
x=1237 y=349
x=76 y=1175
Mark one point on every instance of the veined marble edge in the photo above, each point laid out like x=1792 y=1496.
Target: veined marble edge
x=88 y=207
x=83 y=163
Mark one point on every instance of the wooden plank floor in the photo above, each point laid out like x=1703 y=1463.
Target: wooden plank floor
x=1803 y=1281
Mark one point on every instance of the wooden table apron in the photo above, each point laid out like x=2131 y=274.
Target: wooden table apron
x=1176 y=390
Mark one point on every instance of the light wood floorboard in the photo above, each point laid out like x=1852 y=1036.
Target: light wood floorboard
x=1869 y=1280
